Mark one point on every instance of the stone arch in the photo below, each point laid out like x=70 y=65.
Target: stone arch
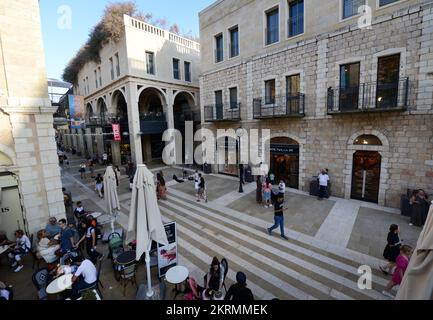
x=163 y=95
x=191 y=97
x=101 y=105
x=9 y=153
x=301 y=142
x=383 y=150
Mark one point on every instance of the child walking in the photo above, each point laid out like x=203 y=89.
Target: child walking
x=402 y=262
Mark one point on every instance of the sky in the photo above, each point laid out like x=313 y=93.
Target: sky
x=61 y=43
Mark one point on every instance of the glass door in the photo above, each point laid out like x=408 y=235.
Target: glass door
x=366 y=176
x=349 y=86
x=293 y=89
x=219 y=105
x=388 y=73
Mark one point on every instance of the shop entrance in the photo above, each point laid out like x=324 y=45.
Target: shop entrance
x=366 y=175
x=285 y=161
x=11 y=215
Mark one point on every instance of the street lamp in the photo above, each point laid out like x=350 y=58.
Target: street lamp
x=239 y=133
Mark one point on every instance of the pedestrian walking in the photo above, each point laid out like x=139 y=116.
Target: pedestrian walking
x=202 y=189
x=392 y=249
x=99 y=184
x=259 y=191
x=267 y=190
x=282 y=187
x=323 y=184
x=91 y=166
x=278 y=216
x=105 y=158
x=402 y=263
x=65 y=158
x=82 y=170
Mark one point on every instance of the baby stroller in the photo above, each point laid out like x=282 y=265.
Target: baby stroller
x=115 y=246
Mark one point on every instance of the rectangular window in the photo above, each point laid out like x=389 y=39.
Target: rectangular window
x=388 y=77
x=150 y=62
x=350 y=7
x=270 y=91
x=219 y=48
x=219 y=108
x=293 y=85
x=96 y=78
x=112 y=68
x=117 y=64
x=176 y=71
x=100 y=76
x=234 y=42
x=296 y=17
x=187 y=67
x=272 y=26
x=386 y=2
x=233 y=98
x=349 y=86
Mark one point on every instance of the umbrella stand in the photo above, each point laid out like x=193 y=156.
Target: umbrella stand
x=149 y=280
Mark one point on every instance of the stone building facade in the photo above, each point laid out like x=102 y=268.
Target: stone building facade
x=31 y=189
x=147 y=82
x=375 y=134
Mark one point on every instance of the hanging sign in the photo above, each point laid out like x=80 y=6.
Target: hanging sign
x=116 y=132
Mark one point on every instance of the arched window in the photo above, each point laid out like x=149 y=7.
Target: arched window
x=368 y=140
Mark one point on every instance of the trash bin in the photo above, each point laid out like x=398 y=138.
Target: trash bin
x=249 y=175
x=207 y=169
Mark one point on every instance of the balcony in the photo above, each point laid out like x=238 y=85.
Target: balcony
x=153 y=123
x=99 y=122
x=223 y=113
x=279 y=107
x=369 y=97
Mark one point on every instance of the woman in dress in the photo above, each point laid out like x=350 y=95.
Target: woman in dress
x=419 y=208
x=402 y=263
x=259 y=196
x=47 y=248
x=392 y=249
x=215 y=277
x=161 y=188
x=267 y=189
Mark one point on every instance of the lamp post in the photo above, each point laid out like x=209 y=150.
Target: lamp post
x=239 y=133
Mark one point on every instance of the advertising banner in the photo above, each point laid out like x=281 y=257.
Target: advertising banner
x=76 y=111
x=116 y=131
x=167 y=255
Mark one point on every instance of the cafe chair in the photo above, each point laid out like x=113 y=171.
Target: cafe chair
x=128 y=274
x=40 y=281
x=226 y=270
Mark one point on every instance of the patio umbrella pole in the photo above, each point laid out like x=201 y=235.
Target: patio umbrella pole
x=113 y=218
x=149 y=280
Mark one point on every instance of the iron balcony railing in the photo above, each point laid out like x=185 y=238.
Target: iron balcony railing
x=279 y=107
x=369 y=97
x=103 y=120
x=153 y=123
x=222 y=112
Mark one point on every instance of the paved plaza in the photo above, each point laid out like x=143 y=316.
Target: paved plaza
x=328 y=240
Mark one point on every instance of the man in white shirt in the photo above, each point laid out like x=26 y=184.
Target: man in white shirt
x=22 y=247
x=323 y=184
x=85 y=277
x=105 y=158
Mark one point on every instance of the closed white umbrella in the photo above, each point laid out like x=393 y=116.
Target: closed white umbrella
x=110 y=194
x=145 y=222
x=417 y=283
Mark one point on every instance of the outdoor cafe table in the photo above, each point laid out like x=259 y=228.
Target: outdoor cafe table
x=60 y=284
x=125 y=258
x=176 y=275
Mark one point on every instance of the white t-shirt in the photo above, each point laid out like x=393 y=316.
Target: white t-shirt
x=88 y=270
x=104 y=156
x=24 y=243
x=5 y=294
x=323 y=179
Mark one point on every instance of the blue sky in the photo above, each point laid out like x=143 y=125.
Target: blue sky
x=62 y=44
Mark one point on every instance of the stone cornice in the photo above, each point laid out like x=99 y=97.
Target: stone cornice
x=28 y=110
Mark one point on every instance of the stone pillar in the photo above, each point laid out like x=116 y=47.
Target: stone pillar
x=80 y=141
x=147 y=148
x=100 y=141
x=89 y=141
x=322 y=54
x=115 y=153
x=134 y=123
x=74 y=139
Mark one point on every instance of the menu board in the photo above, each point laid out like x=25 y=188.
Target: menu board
x=167 y=255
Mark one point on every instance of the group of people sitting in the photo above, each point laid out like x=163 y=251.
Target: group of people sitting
x=419 y=208
x=214 y=282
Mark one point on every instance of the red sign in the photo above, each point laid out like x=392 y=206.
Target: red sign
x=116 y=132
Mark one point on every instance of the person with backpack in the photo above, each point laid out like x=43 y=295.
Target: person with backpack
x=278 y=216
x=91 y=239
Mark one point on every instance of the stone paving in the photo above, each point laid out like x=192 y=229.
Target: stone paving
x=232 y=225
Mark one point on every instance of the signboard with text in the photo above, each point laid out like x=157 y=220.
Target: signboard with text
x=167 y=255
x=76 y=110
x=116 y=132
